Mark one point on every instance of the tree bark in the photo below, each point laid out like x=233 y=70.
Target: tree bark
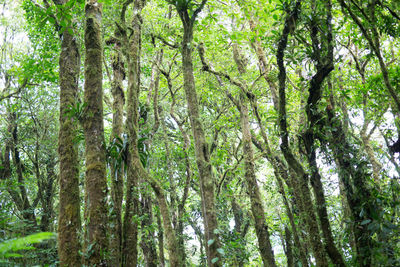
x=18 y=194
x=117 y=172
x=160 y=237
x=288 y=248
x=302 y=177
x=201 y=146
x=257 y=209
x=148 y=239
x=324 y=65
x=69 y=219
x=356 y=191
x=95 y=153
x=132 y=50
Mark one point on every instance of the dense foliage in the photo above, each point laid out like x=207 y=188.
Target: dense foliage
x=200 y=133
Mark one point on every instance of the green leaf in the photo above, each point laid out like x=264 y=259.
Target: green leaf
x=23 y=243
x=365 y=222
x=210 y=242
x=221 y=251
x=214 y=260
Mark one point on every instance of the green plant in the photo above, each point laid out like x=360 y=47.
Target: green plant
x=9 y=248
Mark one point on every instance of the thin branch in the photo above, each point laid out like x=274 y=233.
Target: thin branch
x=197 y=11
x=172 y=45
x=361 y=10
x=394 y=14
x=123 y=11
x=206 y=67
x=226 y=173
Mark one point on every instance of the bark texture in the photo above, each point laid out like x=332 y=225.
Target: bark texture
x=201 y=146
x=324 y=65
x=95 y=153
x=69 y=223
x=132 y=50
x=117 y=172
x=356 y=189
x=19 y=194
x=257 y=209
x=308 y=210
x=148 y=238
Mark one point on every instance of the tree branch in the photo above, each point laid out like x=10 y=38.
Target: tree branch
x=197 y=11
x=172 y=45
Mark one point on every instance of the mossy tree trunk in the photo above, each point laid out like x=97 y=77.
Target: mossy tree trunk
x=117 y=172
x=257 y=209
x=288 y=248
x=280 y=170
x=160 y=239
x=357 y=191
x=69 y=220
x=19 y=194
x=148 y=244
x=294 y=164
x=132 y=50
x=324 y=65
x=95 y=153
x=179 y=227
x=201 y=146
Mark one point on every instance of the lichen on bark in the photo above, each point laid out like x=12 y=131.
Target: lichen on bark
x=69 y=223
x=96 y=185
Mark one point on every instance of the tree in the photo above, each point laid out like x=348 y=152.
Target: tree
x=95 y=151
x=206 y=133
x=69 y=225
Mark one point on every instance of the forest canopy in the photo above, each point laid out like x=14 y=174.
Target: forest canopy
x=200 y=133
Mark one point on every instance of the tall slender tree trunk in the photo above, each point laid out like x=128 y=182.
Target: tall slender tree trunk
x=117 y=173
x=308 y=207
x=148 y=238
x=175 y=257
x=160 y=238
x=201 y=146
x=20 y=193
x=257 y=209
x=288 y=247
x=69 y=220
x=130 y=232
x=280 y=170
x=356 y=189
x=135 y=167
x=324 y=65
x=95 y=154
x=281 y=173
x=319 y=195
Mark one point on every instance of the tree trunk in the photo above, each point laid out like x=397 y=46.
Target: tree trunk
x=160 y=237
x=19 y=194
x=319 y=195
x=175 y=258
x=69 y=220
x=257 y=209
x=130 y=232
x=308 y=212
x=95 y=154
x=148 y=239
x=357 y=192
x=117 y=172
x=135 y=167
x=288 y=246
x=201 y=148
x=301 y=252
